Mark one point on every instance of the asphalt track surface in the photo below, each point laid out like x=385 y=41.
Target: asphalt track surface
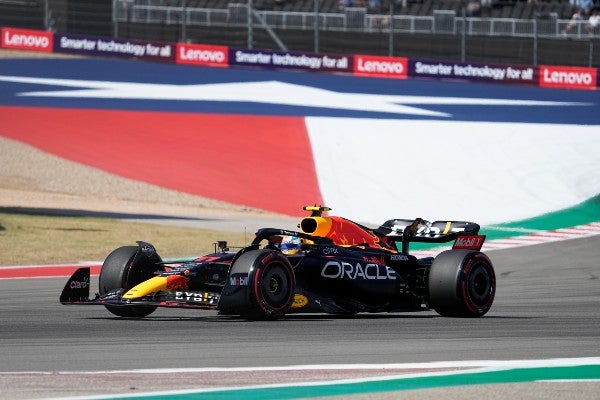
x=546 y=307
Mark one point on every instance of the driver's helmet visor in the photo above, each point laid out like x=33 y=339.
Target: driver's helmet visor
x=290 y=244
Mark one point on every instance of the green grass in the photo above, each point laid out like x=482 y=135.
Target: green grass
x=27 y=238
x=50 y=239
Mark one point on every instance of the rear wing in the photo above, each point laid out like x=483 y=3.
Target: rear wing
x=420 y=230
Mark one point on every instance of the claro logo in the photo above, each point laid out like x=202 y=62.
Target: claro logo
x=567 y=77
x=385 y=67
x=80 y=284
x=24 y=39
x=198 y=54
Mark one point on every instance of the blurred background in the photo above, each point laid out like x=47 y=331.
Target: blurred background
x=534 y=32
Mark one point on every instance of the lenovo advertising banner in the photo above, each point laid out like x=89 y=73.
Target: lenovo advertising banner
x=202 y=54
x=473 y=71
x=26 y=39
x=556 y=76
x=380 y=67
x=109 y=47
x=313 y=62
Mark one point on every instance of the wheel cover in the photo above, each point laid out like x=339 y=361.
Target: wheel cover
x=275 y=286
x=480 y=285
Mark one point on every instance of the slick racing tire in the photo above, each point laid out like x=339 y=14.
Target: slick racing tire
x=122 y=270
x=462 y=283
x=271 y=284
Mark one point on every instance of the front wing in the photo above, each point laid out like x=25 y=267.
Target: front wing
x=77 y=292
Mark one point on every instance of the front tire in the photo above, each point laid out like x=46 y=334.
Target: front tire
x=462 y=283
x=124 y=268
x=271 y=284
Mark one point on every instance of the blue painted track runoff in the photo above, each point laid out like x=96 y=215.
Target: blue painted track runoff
x=142 y=72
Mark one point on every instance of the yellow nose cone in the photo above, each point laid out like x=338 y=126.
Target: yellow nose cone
x=152 y=285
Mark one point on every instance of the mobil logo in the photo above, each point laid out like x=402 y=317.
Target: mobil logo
x=469 y=242
x=384 y=67
x=567 y=77
x=202 y=54
x=26 y=39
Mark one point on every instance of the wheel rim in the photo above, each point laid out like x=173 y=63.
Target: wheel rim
x=480 y=285
x=275 y=286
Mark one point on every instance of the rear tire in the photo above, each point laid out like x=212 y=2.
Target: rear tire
x=271 y=284
x=122 y=269
x=462 y=283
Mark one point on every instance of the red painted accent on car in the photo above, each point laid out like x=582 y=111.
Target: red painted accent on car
x=175 y=282
x=347 y=233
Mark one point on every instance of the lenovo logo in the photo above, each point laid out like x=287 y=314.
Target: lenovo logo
x=24 y=39
x=386 y=67
x=568 y=77
x=215 y=56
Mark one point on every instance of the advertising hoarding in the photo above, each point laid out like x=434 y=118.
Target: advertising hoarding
x=102 y=46
x=473 y=71
x=202 y=54
x=314 y=62
x=26 y=39
x=381 y=67
x=556 y=76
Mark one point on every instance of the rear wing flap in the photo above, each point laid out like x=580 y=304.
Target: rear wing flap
x=420 y=230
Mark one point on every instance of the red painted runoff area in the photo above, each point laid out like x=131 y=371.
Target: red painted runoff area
x=44 y=271
x=263 y=162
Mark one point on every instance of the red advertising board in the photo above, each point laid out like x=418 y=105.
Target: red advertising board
x=556 y=76
x=383 y=67
x=26 y=39
x=202 y=54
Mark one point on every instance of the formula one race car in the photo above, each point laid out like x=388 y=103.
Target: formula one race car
x=331 y=265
